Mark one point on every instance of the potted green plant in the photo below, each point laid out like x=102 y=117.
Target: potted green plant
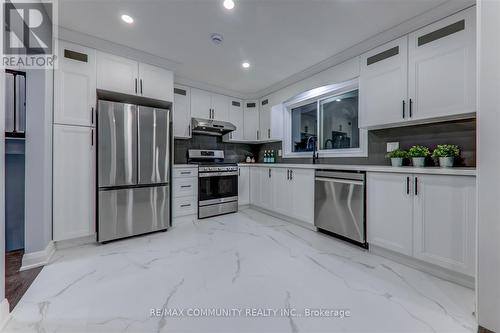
x=397 y=157
x=418 y=155
x=446 y=155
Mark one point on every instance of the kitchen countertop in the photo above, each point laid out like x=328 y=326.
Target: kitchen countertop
x=458 y=171
x=185 y=165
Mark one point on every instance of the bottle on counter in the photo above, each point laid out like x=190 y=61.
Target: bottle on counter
x=273 y=158
x=266 y=156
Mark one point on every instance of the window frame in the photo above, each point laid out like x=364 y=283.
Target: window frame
x=317 y=95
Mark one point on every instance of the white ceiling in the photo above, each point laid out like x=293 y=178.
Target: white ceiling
x=278 y=37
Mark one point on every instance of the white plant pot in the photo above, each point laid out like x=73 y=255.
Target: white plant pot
x=397 y=161
x=446 y=162
x=418 y=162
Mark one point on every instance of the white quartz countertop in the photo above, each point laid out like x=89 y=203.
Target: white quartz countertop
x=371 y=168
x=186 y=166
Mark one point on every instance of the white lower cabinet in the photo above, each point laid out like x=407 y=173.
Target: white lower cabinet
x=444 y=221
x=74 y=182
x=185 y=191
x=288 y=192
x=389 y=208
x=243 y=186
x=428 y=217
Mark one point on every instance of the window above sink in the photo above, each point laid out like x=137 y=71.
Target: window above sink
x=325 y=119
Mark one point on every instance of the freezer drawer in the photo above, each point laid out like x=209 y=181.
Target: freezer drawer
x=133 y=211
x=339 y=205
x=116 y=144
x=154 y=145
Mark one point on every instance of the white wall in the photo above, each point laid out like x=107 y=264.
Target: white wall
x=342 y=72
x=488 y=180
x=38 y=197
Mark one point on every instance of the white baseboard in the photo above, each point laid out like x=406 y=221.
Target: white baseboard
x=37 y=259
x=4 y=313
x=440 y=272
x=285 y=218
x=64 y=244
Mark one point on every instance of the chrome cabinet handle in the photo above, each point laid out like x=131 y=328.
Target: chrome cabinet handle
x=92 y=115
x=411 y=107
x=268 y=133
x=269 y=172
x=416 y=185
x=186 y=205
x=404 y=104
x=189 y=130
x=92 y=138
x=408 y=185
x=141 y=86
x=288 y=174
x=185 y=186
x=185 y=172
x=136 y=86
x=291 y=174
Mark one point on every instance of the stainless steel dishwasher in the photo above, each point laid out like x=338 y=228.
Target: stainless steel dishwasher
x=339 y=205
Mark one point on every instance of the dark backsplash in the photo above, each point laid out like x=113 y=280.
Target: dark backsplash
x=461 y=133
x=234 y=152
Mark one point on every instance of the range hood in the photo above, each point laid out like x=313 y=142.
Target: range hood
x=211 y=127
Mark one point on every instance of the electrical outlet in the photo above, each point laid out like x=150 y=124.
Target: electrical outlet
x=279 y=152
x=391 y=146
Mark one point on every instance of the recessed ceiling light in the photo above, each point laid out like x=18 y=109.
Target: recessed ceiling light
x=127 y=19
x=338 y=100
x=245 y=65
x=229 y=4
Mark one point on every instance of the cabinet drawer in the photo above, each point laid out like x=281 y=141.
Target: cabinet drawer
x=185 y=206
x=185 y=187
x=185 y=172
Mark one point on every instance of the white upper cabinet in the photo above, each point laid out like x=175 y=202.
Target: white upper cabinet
x=74 y=182
x=182 y=112
x=389 y=207
x=127 y=76
x=207 y=105
x=220 y=107
x=201 y=104
x=383 y=84
x=75 y=85
x=236 y=118
x=156 y=82
x=251 y=121
x=117 y=74
x=270 y=121
x=265 y=119
x=442 y=67
x=444 y=225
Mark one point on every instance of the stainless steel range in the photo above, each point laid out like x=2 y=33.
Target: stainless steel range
x=217 y=183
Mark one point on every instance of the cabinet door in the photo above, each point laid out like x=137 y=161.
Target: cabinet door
x=302 y=190
x=243 y=185
x=276 y=122
x=251 y=121
x=182 y=112
x=117 y=74
x=266 y=197
x=442 y=67
x=201 y=104
x=220 y=107
x=281 y=191
x=156 y=82
x=74 y=182
x=75 y=85
x=255 y=186
x=389 y=203
x=383 y=84
x=236 y=118
x=265 y=120
x=444 y=221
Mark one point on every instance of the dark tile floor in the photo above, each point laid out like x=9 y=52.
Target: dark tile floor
x=17 y=282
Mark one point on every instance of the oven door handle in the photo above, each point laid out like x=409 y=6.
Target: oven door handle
x=217 y=174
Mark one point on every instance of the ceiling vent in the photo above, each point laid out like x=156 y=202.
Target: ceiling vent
x=216 y=38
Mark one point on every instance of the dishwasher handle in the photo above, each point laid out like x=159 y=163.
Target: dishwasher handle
x=342 y=181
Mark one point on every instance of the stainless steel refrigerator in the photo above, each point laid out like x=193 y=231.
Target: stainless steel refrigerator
x=133 y=162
